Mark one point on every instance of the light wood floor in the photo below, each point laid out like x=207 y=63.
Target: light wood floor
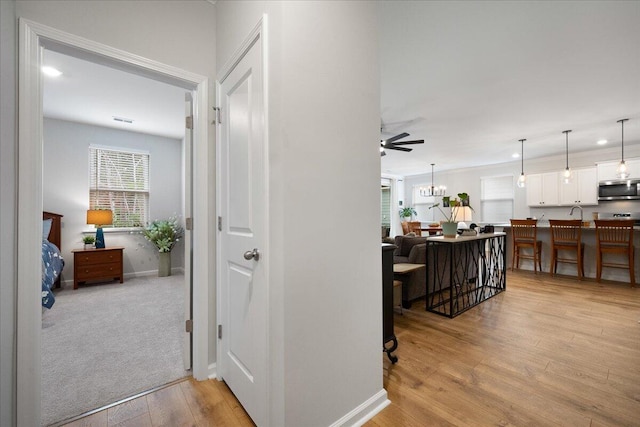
x=187 y=403
x=548 y=351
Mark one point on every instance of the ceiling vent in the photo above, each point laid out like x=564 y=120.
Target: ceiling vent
x=122 y=119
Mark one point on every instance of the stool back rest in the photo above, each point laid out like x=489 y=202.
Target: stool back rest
x=524 y=230
x=614 y=232
x=566 y=230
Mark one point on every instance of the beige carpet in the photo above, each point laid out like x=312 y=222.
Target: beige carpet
x=105 y=342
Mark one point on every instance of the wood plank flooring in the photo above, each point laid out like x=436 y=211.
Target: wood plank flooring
x=187 y=403
x=548 y=351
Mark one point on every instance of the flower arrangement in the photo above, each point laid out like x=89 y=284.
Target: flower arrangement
x=163 y=233
x=455 y=204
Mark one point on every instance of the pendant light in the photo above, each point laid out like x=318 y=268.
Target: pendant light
x=432 y=189
x=622 y=171
x=522 y=179
x=567 y=175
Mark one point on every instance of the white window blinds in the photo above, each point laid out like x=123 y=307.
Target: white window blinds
x=119 y=180
x=497 y=198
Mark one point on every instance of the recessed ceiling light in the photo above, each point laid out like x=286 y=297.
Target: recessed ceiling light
x=51 y=72
x=515 y=155
x=602 y=142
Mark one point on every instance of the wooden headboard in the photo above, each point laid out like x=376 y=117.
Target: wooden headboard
x=55 y=235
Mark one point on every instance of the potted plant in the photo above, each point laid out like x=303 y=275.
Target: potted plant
x=88 y=241
x=407 y=212
x=164 y=234
x=450 y=225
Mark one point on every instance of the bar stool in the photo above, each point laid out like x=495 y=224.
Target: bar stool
x=615 y=236
x=525 y=235
x=566 y=235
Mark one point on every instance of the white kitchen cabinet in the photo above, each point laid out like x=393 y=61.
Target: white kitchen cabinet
x=607 y=170
x=542 y=189
x=582 y=190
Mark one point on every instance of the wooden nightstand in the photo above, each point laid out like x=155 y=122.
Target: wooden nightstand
x=97 y=264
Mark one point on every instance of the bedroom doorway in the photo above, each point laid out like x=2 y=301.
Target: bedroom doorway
x=34 y=39
x=74 y=105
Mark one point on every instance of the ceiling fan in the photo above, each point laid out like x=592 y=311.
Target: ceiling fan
x=391 y=144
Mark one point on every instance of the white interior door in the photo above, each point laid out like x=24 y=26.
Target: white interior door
x=243 y=256
x=188 y=245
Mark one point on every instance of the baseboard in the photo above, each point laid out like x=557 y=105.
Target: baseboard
x=213 y=372
x=364 y=412
x=175 y=270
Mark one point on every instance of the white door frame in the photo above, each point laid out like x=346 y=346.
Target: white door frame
x=33 y=38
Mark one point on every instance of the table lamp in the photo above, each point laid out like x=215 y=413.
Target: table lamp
x=99 y=218
x=463 y=215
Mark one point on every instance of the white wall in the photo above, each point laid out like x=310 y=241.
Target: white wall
x=325 y=299
x=8 y=85
x=66 y=188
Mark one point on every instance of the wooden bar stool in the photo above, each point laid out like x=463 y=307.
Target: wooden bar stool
x=615 y=236
x=566 y=235
x=525 y=235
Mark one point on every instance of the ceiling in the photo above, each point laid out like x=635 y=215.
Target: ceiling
x=87 y=92
x=470 y=78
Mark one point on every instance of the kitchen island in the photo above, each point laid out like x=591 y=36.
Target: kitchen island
x=464 y=271
x=589 y=240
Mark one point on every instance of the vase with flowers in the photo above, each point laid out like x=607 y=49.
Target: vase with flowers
x=164 y=234
x=450 y=225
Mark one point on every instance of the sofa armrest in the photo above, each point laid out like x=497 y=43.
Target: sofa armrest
x=418 y=254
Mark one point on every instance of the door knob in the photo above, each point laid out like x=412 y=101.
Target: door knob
x=254 y=254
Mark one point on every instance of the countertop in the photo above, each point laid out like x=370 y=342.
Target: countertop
x=545 y=224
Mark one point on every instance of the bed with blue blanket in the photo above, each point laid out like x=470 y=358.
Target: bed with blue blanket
x=52 y=262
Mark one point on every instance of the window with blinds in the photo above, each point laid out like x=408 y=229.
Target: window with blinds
x=497 y=198
x=119 y=180
x=385 y=206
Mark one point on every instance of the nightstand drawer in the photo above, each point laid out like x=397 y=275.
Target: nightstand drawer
x=98 y=271
x=96 y=257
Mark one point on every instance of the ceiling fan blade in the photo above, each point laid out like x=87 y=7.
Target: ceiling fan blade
x=417 y=141
x=395 y=138
x=393 y=147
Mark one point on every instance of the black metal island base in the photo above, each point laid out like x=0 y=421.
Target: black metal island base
x=462 y=272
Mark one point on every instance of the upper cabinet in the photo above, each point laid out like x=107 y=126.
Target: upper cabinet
x=607 y=170
x=582 y=190
x=548 y=189
x=542 y=189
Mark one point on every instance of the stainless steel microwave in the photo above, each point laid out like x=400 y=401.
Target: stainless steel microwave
x=627 y=189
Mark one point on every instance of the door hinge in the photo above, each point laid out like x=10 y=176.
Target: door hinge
x=216 y=116
x=188 y=223
x=219 y=332
x=189 y=326
x=219 y=223
x=188 y=123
